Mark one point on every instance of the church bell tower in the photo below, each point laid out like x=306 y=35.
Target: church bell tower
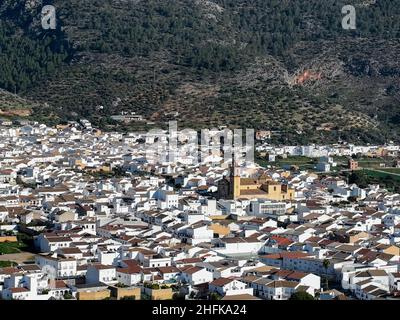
x=235 y=180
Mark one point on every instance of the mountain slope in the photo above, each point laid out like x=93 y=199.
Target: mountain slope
x=12 y=105
x=281 y=65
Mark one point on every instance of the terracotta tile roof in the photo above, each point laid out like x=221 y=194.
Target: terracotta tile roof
x=282 y=284
x=60 y=284
x=288 y=255
x=240 y=297
x=188 y=260
x=221 y=282
x=100 y=266
x=130 y=270
x=168 y=269
x=281 y=241
x=18 y=290
x=8 y=270
x=191 y=270
x=59 y=239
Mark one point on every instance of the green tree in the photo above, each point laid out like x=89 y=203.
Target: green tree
x=326 y=264
x=301 y=295
x=68 y=296
x=214 y=296
x=177 y=296
x=359 y=178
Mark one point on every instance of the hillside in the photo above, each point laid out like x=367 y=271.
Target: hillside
x=12 y=105
x=281 y=65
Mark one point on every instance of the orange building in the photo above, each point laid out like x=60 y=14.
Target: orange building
x=353 y=165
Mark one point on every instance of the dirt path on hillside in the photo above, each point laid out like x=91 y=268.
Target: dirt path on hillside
x=18 y=257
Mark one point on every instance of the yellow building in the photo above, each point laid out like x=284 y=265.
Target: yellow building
x=159 y=294
x=93 y=294
x=120 y=293
x=220 y=228
x=263 y=187
x=8 y=239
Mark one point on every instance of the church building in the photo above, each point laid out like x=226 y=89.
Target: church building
x=264 y=187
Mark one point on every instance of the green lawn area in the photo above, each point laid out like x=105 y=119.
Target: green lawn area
x=373 y=162
x=340 y=159
x=304 y=163
x=391 y=170
x=295 y=160
x=263 y=162
x=370 y=164
x=4 y=264
x=365 y=162
x=365 y=177
x=11 y=247
x=381 y=175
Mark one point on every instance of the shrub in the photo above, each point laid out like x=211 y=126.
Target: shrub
x=68 y=296
x=301 y=295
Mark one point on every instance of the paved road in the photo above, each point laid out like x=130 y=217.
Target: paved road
x=18 y=257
